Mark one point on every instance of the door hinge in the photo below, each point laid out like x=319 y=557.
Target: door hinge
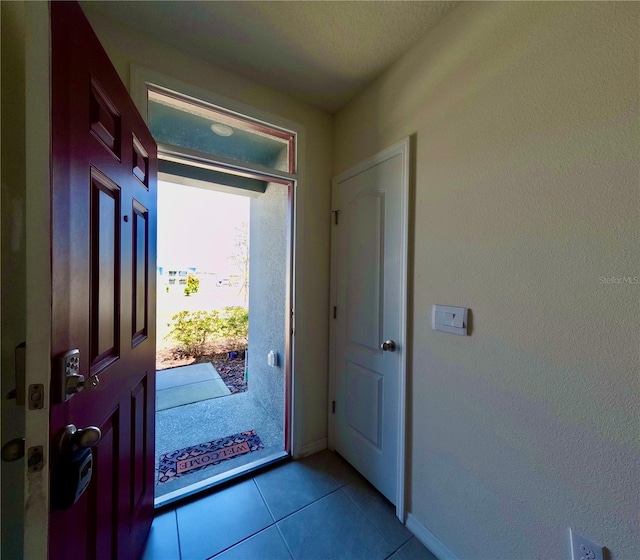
x=333 y=407
x=335 y=312
x=335 y=216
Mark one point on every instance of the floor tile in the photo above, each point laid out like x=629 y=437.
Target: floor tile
x=415 y=550
x=333 y=528
x=220 y=520
x=334 y=465
x=265 y=545
x=379 y=511
x=162 y=543
x=292 y=486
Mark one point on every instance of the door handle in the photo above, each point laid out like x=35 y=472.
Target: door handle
x=72 y=437
x=72 y=474
x=388 y=346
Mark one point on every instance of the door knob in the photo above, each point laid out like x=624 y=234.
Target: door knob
x=72 y=437
x=388 y=346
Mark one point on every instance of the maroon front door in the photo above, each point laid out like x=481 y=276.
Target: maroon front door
x=103 y=268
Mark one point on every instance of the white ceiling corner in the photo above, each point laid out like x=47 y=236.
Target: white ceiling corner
x=321 y=52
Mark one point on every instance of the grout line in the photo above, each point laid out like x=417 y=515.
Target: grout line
x=239 y=542
x=308 y=505
x=284 y=541
x=375 y=525
x=252 y=534
x=175 y=514
x=264 y=500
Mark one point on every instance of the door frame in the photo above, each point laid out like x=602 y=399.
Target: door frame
x=401 y=148
x=38 y=256
x=141 y=79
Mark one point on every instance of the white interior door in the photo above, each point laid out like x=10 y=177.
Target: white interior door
x=369 y=294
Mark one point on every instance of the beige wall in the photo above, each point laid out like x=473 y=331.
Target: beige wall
x=124 y=49
x=13 y=300
x=525 y=117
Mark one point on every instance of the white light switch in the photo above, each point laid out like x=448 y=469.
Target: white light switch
x=450 y=319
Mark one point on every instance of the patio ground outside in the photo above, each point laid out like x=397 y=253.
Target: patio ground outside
x=206 y=420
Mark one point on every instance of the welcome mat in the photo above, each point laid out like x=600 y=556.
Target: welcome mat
x=178 y=463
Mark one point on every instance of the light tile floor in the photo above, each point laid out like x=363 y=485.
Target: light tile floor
x=318 y=508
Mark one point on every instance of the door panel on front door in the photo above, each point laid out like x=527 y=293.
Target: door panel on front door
x=102 y=506
x=103 y=237
x=105 y=271
x=140 y=305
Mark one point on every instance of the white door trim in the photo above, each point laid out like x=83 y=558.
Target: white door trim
x=38 y=251
x=401 y=148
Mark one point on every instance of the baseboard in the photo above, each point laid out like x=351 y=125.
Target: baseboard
x=428 y=539
x=312 y=448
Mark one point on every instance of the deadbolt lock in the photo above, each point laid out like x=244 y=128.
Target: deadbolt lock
x=71 y=380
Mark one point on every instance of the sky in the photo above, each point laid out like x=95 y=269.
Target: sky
x=198 y=227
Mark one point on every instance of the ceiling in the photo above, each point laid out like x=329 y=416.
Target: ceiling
x=321 y=52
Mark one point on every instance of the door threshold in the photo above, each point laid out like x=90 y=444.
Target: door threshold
x=217 y=480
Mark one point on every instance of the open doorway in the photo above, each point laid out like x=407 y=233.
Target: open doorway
x=222 y=301
x=225 y=279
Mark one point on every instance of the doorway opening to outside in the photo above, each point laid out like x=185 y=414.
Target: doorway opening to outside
x=224 y=284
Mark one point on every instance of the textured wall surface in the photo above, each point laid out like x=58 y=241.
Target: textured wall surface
x=526 y=210
x=313 y=197
x=267 y=298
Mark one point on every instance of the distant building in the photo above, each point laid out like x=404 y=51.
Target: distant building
x=171 y=276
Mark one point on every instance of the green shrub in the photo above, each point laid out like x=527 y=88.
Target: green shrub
x=233 y=325
x=192 y=329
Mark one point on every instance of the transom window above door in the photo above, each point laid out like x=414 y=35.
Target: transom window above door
x=181 y=122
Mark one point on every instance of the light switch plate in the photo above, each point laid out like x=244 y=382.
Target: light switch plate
x=450 y=319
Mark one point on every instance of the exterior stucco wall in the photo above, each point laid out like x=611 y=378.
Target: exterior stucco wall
x=267 y=298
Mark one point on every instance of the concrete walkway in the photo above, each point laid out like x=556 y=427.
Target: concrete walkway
x=188 y=384
x=212 y=419
x=188 y=412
